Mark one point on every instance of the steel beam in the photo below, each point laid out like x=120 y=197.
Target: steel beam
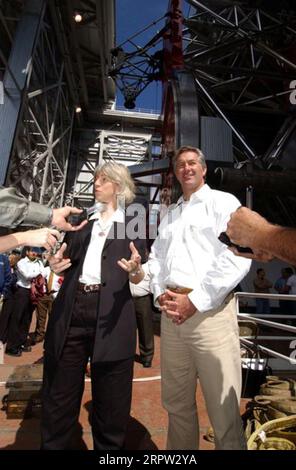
x=16 y=76
x=152 y=168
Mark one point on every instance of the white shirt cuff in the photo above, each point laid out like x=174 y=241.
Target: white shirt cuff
x=157 y=291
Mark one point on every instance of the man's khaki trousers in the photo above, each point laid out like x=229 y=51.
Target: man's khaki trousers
x=205 y=347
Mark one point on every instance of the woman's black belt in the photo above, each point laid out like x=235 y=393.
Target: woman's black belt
x=88 y=287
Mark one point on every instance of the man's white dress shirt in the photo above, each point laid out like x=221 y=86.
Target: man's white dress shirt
x=187 y=252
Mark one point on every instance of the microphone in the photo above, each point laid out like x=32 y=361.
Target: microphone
x=224 y=238
x=76 y=219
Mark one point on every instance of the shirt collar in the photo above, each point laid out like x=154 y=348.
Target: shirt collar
x=118 y=216
x=199 y=195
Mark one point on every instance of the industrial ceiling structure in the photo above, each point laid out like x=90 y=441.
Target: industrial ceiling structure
x=230 y=90
x=242 y=57
x=58 y=113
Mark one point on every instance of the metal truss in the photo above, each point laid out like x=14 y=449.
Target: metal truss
x=68 y=68
x=10 y=12
x=93 y=147
x=125 y=148
x=135 y=67
x=89 y=44
x=243 y=61
x=38 y=165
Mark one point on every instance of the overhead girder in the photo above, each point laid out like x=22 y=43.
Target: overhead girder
x=58 y=80
x=16 y=77
x=92 y=147
x=90 y=41
x=38 y=158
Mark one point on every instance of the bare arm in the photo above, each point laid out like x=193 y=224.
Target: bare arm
x=45 y=237
x=282 y=243
x=247 y=228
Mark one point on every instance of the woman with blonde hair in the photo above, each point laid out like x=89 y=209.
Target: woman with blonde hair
x=93 y=316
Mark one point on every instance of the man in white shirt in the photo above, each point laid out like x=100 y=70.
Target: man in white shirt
x=193 y=276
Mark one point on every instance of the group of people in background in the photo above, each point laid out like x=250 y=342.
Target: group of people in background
x=27 y=286
x=284 y=285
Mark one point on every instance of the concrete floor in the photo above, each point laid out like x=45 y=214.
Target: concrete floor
x=148 y=422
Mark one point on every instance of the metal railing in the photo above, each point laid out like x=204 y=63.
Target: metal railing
x=262 y=319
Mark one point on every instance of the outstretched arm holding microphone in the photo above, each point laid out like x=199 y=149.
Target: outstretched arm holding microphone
x=43 y=237
x=15 y=210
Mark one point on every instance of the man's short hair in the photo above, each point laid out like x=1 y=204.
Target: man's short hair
x=188 y=148
x=119 y=174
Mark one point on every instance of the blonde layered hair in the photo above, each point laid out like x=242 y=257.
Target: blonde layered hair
x=119 y=174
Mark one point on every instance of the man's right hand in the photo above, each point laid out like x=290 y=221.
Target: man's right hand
x=59 y=219
x=58 y=264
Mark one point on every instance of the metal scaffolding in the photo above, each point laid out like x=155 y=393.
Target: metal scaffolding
x=49 y=66
x=243 y=61
x=37 y=115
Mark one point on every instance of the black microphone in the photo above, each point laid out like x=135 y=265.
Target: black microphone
x=77 y=219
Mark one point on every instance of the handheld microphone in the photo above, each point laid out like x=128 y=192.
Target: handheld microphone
x=76 y=219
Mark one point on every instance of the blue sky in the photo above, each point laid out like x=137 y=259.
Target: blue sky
x=131 y=17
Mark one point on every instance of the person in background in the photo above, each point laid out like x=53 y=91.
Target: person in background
x=8 y=301
x=5 y=282
x=142 y=300
x=44 y=304
x=5 y=277
x=291 y=286
x=28 y=268
x=262 y=286
x=281 y=287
